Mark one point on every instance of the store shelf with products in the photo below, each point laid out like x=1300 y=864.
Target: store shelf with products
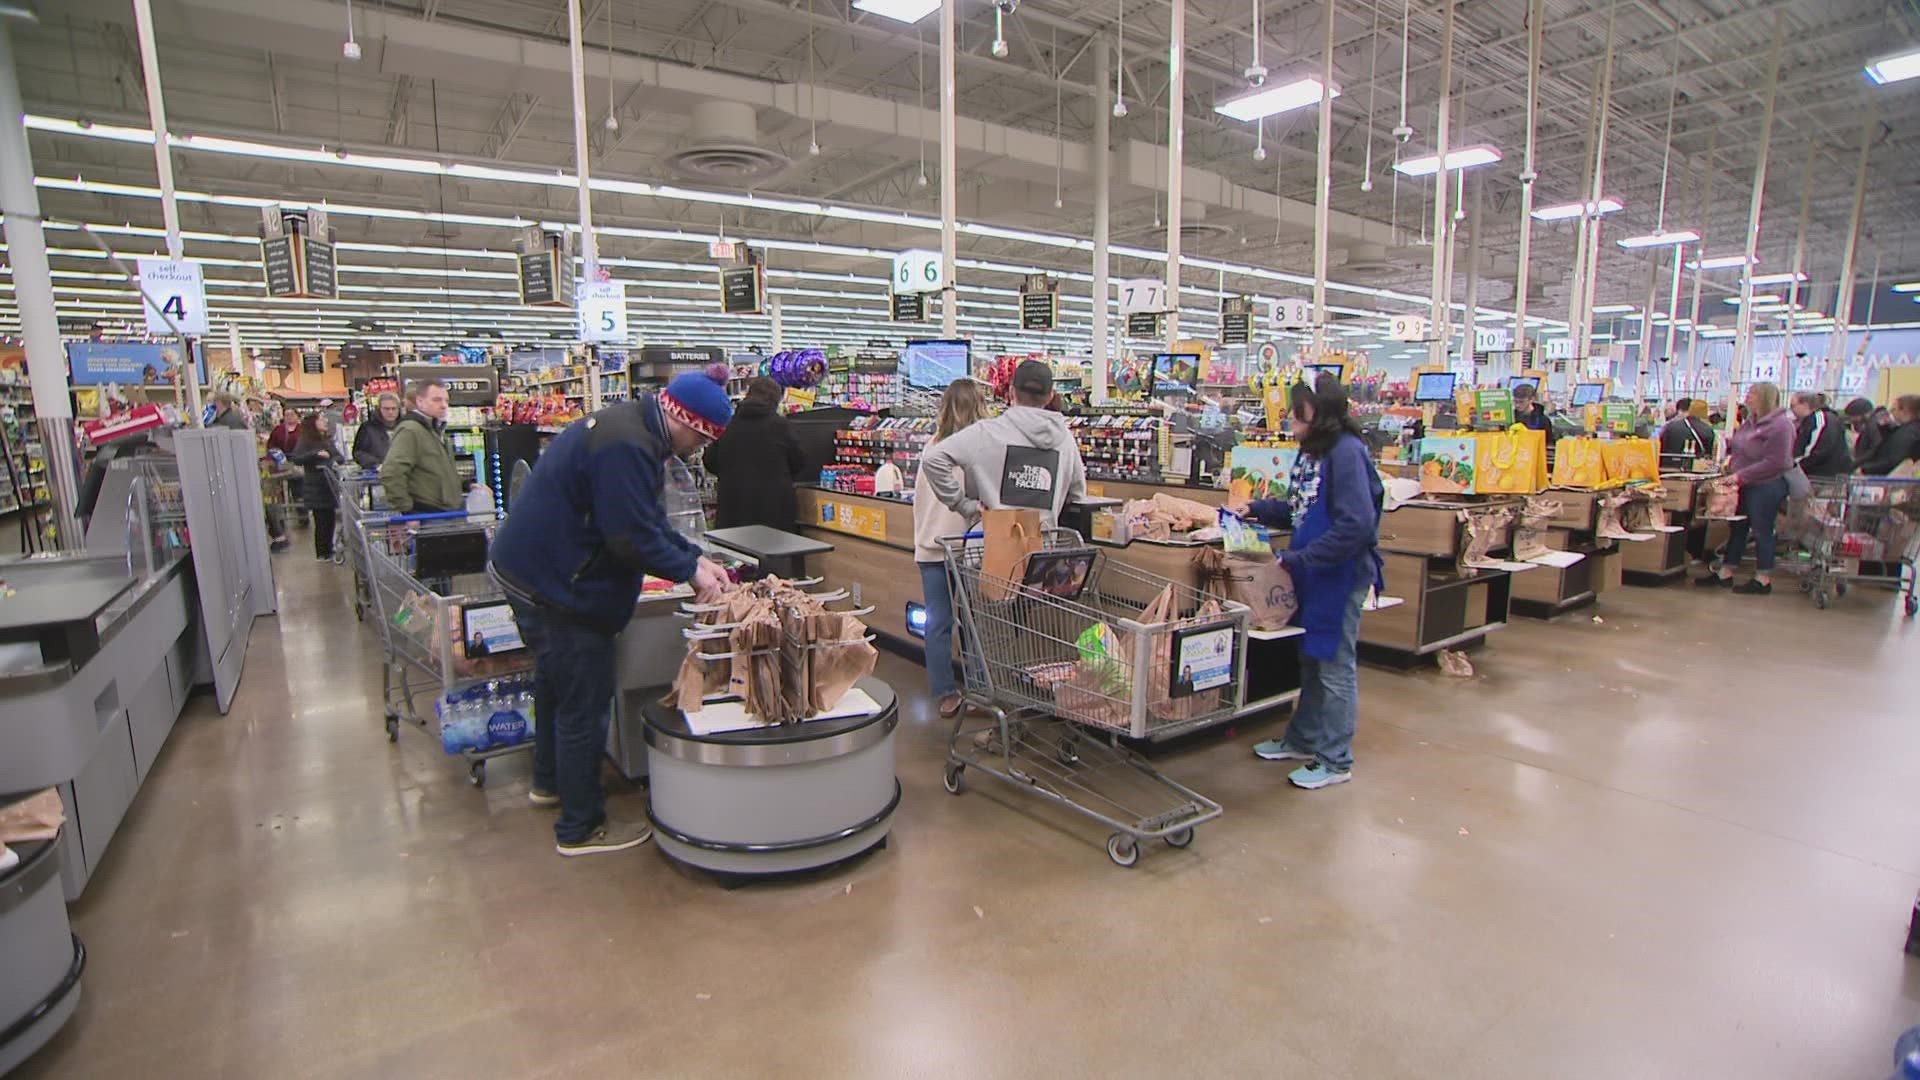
x=868 y=380
x=1124 y=445
x=871 y=441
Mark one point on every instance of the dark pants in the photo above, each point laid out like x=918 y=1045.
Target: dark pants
x=572 y=695
x=1761 y=504
x=323 y=532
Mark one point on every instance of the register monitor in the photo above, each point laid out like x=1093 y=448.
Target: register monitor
x=1434 y=386
x=933 y=365
x=1588 y=393
x=1515 y=382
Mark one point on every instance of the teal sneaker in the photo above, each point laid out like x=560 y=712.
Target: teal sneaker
x=1279 y=750
x=1316 y=776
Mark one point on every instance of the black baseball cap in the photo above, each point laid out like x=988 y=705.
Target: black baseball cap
x=1033 y=379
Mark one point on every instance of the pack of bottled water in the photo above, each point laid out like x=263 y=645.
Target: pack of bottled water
x=486 y=716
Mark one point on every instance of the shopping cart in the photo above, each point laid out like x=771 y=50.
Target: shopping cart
x=1862 y=530
x=356 y=494
x=441 y=619
x=1065 y=676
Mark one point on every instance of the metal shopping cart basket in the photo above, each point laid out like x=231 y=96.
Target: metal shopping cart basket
x=356 y=495
x=1066 y=667
x=1862 y=529
x=444 y=624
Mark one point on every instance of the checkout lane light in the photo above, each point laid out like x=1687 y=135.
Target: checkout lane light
x=917 y=619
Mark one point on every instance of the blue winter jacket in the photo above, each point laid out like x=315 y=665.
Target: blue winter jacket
x=1333 y=548
x=589 y=521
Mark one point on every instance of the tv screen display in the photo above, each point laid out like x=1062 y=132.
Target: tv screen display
x=1518 y=381
x=1313 y=372
x=933 y=365
x=1434 y=386
x=1589 y=393
x=1176 y=371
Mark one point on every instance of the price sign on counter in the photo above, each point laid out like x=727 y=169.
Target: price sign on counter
x=602 y=310
x=173 y=290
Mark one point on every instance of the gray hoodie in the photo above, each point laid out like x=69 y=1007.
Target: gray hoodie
x=1024 y=457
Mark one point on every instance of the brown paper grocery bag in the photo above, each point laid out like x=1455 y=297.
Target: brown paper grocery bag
x=1010 y=536
x=1267 y=589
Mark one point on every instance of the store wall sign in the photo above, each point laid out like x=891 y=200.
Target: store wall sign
x=467 y=384
x=863 y=521
x=909 y=307
x=537 y=278
x=741 y=290
x=93 y=363
x=319 y=269
x=1039 y=303
x=173 y=295
x=918 y=271
x=278 y=267
x=681 y=354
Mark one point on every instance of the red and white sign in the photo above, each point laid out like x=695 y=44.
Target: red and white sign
x=120 y=425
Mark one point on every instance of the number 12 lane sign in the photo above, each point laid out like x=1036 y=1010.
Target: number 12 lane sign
x=175 y=289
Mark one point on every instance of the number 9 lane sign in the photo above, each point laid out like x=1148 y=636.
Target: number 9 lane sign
x=173 y=291
x=601 y=307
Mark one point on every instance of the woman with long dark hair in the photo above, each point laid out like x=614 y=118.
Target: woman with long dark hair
x=313 y=450
x=1333 y=506
x=962 y=405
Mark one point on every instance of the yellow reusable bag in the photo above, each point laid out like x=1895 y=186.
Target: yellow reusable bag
x=1579 y=463
x=1631 y=460
x=1511 y=462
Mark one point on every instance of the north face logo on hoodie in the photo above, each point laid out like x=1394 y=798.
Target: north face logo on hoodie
x=1028 y=477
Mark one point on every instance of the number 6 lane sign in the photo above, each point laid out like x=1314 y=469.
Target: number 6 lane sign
x=602 y=310
x=176 y=289
x=918 y=271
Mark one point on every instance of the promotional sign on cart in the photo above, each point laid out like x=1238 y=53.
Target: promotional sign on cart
x=173 y=290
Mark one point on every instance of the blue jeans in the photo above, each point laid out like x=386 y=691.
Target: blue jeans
x=1324 y=717
x=572 y=694
x=939 y=641
x=1761 y=504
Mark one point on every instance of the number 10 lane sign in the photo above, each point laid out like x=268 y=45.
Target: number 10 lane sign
x=602 y=308
x=174 y=288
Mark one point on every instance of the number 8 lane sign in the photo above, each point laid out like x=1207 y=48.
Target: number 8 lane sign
x=602 y=310
x=175 y=289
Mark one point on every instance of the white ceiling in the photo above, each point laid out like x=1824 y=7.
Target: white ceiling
x=485 y=81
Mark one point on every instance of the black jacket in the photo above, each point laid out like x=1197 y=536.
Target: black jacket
x=1682 y=430
x=370 y=443
x=1901 y=444
x=1820 y=445
x=756 y=462
x=1537 y=419
x=1868 y=441
x=315 y=492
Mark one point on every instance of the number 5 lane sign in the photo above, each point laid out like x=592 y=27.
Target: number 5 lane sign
x=602 y=308
x=174 y=288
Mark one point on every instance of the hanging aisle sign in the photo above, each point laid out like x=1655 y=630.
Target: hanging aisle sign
x=1293 y=314
x=1140 y=296
x=1039 y=302
x=909 y=307
x=173 y=290
x=313 y=359
x=918 y=271
x=1559 y=348
x=318 y=255
x=1143 y=324
x=545 y=264
x=1488 y=339
x=1409 y=328
x=600 y=311
x=1236 y=320
x=743 y=286
x=296 y=253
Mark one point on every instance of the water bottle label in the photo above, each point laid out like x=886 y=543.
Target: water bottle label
x=506 y=728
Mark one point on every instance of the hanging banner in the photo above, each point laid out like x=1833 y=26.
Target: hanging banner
x=1142 y=296
x=129 y=364
x=1039 y=303
x=173 y=290
x=909 y=307
x=742 y=290
x=296 y=253
x=601 y=312
x=1236 y=320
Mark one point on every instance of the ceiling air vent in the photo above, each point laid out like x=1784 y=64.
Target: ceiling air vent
x=722 y=147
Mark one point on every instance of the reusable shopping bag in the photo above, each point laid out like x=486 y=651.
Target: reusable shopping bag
x=1631 y=460
x=1723 y=498
x=1259 y=582
x=1579 y=463
x=1510 y=462
x=1010 y=536
x=1530 y=533
x=1447 y=464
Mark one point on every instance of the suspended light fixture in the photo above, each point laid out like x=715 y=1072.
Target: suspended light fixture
x=1896 y=68
x=350 y=48
x=1466 y=157
x=1566 y=211
x=1273 y=100
x=906 y=11
x=1000 y=10
x=1763 y=298
x=1120 y=62
x=1373 y=83
x=1612 y=309
x=1660 y=239
x=1779 y=279
x=1719 y=262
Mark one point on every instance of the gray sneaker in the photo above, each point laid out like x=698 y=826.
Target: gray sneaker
x=542 y=800
x=610 y=836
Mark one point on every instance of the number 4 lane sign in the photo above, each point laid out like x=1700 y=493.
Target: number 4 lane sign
x=175 y=289
x=602 y=310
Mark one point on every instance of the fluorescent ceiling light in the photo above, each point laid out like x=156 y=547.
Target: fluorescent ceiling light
x=1890 y=69
x=1572 y=210
x=1765 y=298
x=1908 y=286
x=1464 y=158
x=906 y=11
x=1271 y=100
x=1719 y=262
x=1787 y=278
x=1660 y=239
x=1612 y=309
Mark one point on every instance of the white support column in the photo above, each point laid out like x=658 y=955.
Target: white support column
x=1843 y=301
x=1743 y=339
x=1323 y=186
x=1536 y=18
x=949 y=196
x=186 y=371
x=1468 y=331
x=1176 y=159
x=1673 y=326
x=1645 y=362
x=589 y=247
x=1102 y=212
x=1693 y=315
x=1437 y=352
x=1787 y=365
x=235 y=358
x=773 y=316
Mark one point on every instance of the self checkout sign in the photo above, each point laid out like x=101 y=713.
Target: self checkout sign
x=918 y=271
x=601 y=308
x=173 y=290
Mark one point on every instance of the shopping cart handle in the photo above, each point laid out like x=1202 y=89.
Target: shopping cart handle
x=437 y=515
x=975 y=534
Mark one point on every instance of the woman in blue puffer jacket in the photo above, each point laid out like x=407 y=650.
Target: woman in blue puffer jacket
x=1334 y=509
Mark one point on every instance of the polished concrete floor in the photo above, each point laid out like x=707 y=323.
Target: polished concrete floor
x=1680 y=842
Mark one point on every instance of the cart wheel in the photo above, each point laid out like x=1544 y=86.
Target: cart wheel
x=477 y=773
x=1068 y=753
x=393 y=729
x=955 y=780
x=1181 y=838
x=1821 y=599
x=1913 y=605
x=1806 y=585
x=1123 y=849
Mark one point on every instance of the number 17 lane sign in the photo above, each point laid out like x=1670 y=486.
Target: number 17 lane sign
x=173 y=290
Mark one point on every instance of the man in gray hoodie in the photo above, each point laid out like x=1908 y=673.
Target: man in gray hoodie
x=1025 y=457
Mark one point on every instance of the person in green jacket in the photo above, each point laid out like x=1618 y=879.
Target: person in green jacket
x=418 y=475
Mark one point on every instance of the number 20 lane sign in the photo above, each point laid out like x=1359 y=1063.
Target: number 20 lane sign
x=175 y=289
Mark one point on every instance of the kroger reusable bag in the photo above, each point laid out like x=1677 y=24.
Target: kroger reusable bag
x=1447 y=464
x=1579 y=463
x=1631 y=460
x=1511 y=462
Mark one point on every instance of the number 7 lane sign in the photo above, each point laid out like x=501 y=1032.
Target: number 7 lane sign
x=173 y=290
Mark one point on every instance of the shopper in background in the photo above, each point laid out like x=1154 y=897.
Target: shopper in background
x=1334 y=510
x=418 y=475
x=313 y=452
x=1025 y=458
x=286 y=433
x=757 y=462
x=1527 y=410
x=227 y=414
x=586 y=527
x=370 y=443
x=1686 y=435
x=1819 y=446
x=1864 y=422
x=1902 y=442
x=962 y=405
x=1760 y=452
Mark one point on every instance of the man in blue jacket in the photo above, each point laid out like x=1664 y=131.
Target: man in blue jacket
x=585 y=528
